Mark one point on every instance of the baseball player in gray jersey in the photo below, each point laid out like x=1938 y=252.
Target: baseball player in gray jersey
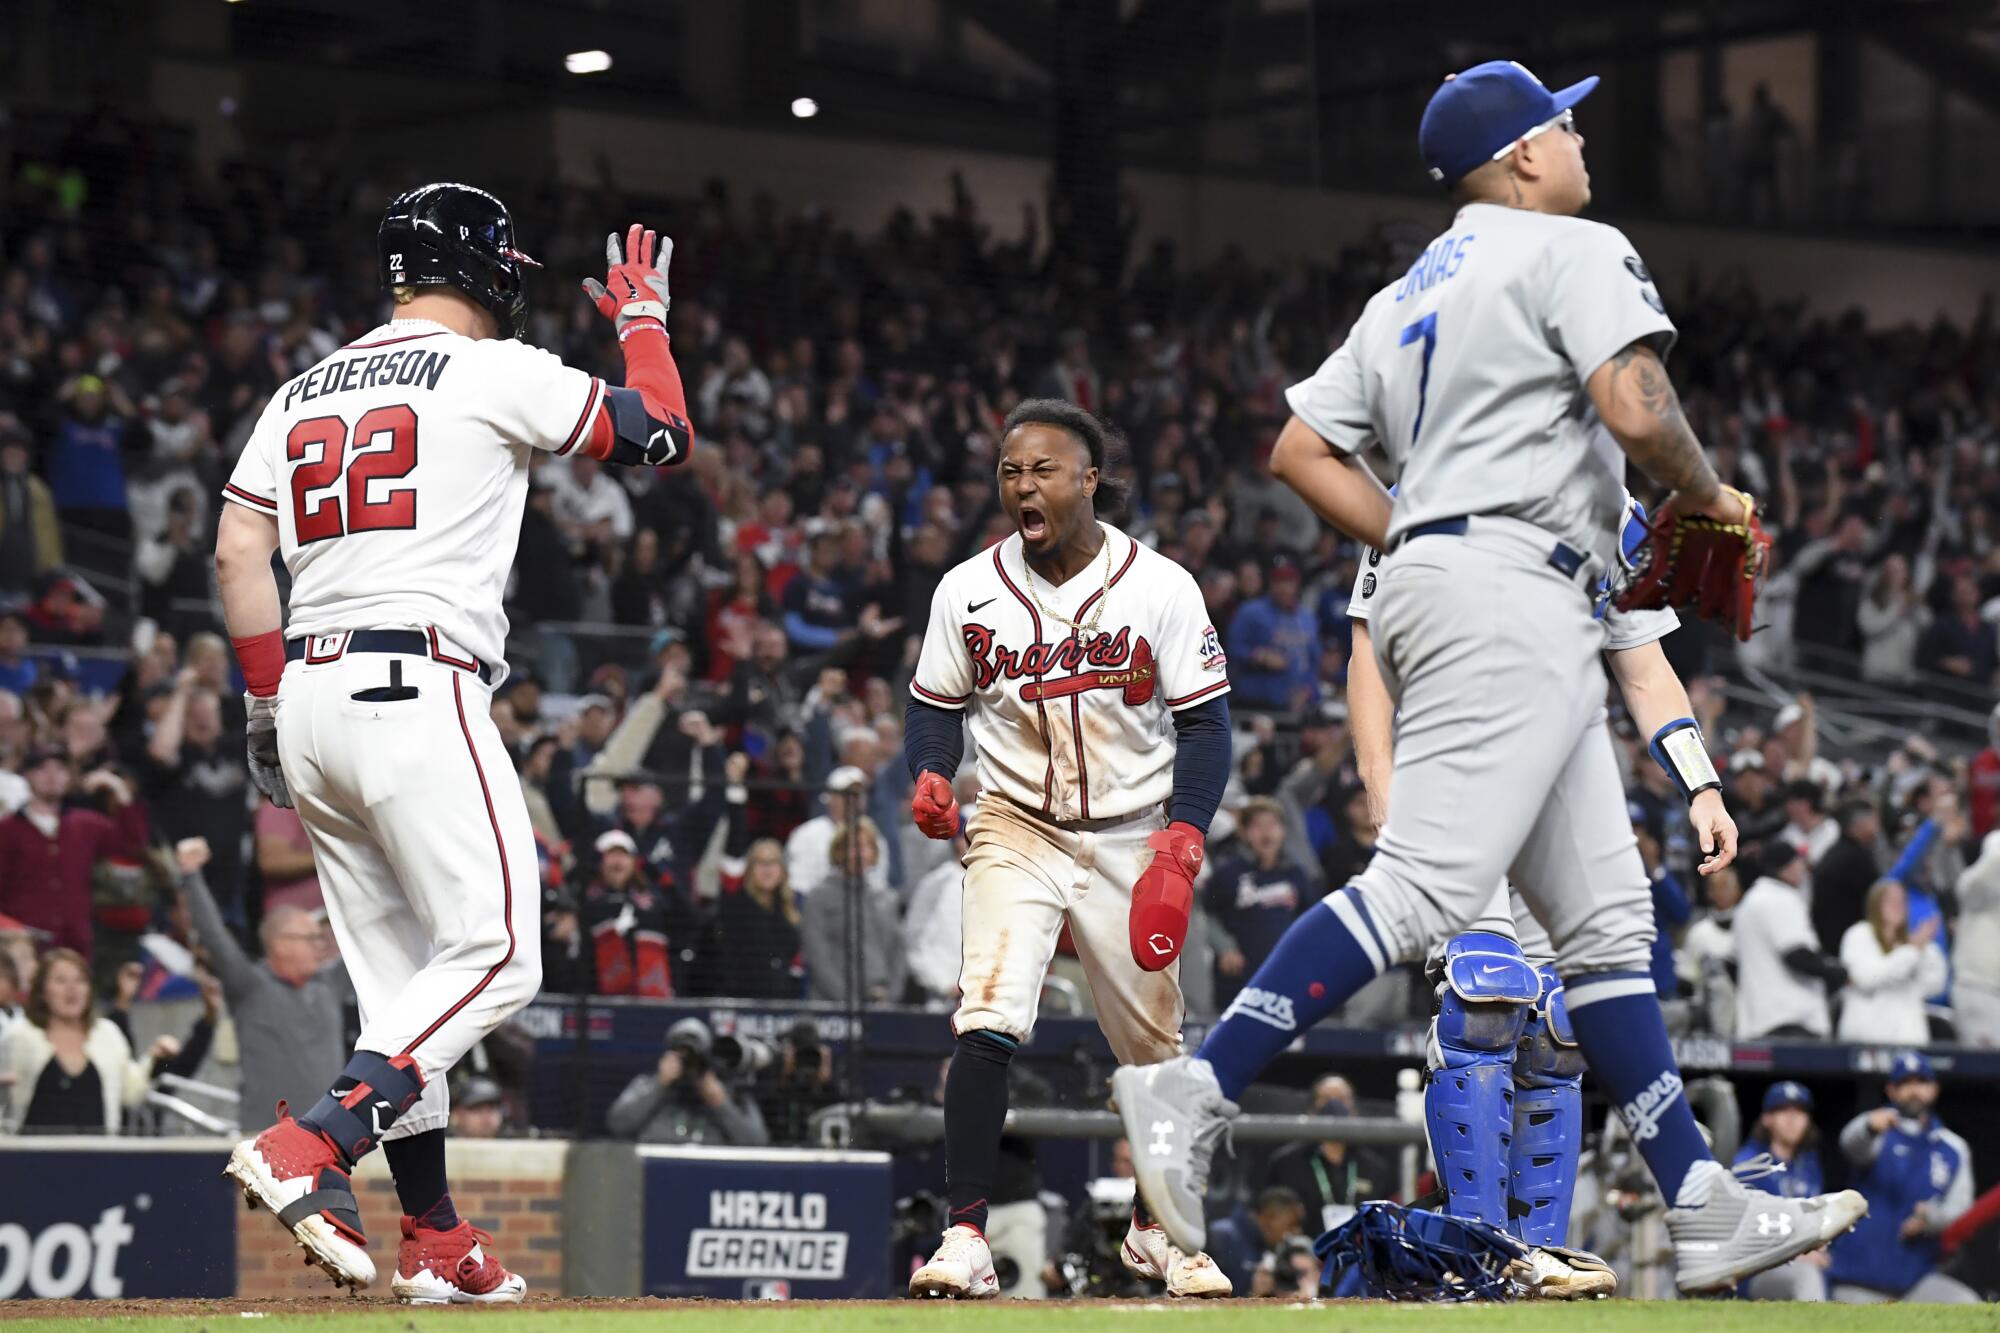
x=1484 y=373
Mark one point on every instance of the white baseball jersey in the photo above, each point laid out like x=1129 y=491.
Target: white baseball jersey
x=398 y=470
x=1622 y=629
x=1068 y=726
x=1470 y=372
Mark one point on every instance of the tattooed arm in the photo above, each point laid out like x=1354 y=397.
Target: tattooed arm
x=1639 y=406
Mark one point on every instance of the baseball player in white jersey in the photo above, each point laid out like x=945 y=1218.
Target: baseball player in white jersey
x=1084 y=666
x=1503 y=1101
x=392 y=477
x=1485 y=374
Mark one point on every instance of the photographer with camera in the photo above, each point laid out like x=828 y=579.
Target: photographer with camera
x=686 y=1100
x=1264 y=1249
x=801 y=1083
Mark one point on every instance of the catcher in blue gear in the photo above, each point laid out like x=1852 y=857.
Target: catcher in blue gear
x=1504 y=1102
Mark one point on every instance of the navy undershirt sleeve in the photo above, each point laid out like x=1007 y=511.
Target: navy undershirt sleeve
x=1201 y=762
x=933 y=738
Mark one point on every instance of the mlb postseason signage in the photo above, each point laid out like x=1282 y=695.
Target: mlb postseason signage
x=765 y=1223
x=97 y=1218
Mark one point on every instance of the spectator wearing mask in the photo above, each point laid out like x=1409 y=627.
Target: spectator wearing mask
x=1891 y=967
x=1250 y=1244
x=30 y=535
x=1917 y=1177
x=1975 y=954
x=1785 y=1132
x=684 y=1100
x=1254 y=895
x=1782 y=978
x=1274 y=646
x=289 y=1006
x=827 y=924
x=48 y=851
x=1842 y=878
x=70 y=1069
x=1329 y=1177
x=627 y=921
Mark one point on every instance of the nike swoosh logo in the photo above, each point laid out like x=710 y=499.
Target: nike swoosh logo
x=972 y=608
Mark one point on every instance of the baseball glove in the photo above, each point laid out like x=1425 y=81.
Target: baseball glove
x=1702 y=564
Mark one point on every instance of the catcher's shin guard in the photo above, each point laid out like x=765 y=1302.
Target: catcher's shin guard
x=1483 y=1004
x=1548 y=1118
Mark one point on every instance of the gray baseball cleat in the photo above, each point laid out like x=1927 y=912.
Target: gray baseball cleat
x=1739 y=1231
x=1174 y=1115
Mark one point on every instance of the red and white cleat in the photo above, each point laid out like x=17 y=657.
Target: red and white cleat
x=961 y=1270
x=452 y=1268
x=292 y=1172
x=1148 y=1253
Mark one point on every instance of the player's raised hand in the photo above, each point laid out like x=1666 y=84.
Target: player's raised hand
x=934 y=809
x=635 y=283
x=1163 y=898
x=1714 y=831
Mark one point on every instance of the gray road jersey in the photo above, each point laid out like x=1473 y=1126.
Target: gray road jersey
x=1469 y=370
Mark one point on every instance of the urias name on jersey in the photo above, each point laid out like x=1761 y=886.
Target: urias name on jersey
x=1072 y=723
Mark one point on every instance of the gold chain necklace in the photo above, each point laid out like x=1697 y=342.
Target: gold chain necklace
x=1082 y=632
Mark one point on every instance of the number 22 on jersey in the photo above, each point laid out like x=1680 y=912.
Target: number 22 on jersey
x=318 y=449
x=1425 y=329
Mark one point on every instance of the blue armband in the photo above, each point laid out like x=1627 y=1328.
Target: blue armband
x=1683 y=756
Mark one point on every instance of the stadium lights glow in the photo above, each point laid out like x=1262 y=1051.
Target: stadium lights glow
x=587 y=62
x=804 y=108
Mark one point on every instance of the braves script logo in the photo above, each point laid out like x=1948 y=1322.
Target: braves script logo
x=1643 y=1113
x=1117 y=664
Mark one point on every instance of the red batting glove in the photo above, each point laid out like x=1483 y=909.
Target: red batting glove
x=1163 y=899
x=634 y=289
x=934 y=808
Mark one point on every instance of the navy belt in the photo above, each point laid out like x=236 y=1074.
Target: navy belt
x=1564 y=559
x=413 y=643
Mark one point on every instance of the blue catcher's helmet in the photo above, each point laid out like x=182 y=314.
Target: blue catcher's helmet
x=1395 y=1253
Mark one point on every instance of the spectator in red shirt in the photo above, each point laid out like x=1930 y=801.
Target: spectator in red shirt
x=627 y=921
x=1985 y=780
x=47 y=851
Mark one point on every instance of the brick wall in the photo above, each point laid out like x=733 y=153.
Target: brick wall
x=510 y=1187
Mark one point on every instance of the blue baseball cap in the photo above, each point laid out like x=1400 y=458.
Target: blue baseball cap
x=1788 y=1093
x=1911 y=1064
x=1478 y=114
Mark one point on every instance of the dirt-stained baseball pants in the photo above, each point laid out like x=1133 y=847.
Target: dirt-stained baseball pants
x=1023 y=878
x=424 y=853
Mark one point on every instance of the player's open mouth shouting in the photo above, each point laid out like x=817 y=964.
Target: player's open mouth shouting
x=1045 y=485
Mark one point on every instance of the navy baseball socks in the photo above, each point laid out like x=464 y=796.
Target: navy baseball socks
x=417 y=1165
x=1323 y=958
x=1624 y=1037
x=366 y=1099
x=975 y=1115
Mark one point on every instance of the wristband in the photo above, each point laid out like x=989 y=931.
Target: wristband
x=262 y=657
x=1682 y=755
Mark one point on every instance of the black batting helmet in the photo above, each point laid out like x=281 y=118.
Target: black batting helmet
x=457 y=236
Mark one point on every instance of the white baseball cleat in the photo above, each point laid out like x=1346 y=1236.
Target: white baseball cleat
x=961 y=1270
x=1558 y=1273
x=1148 y=1253
x=1736 y=1232
x=291 y=1172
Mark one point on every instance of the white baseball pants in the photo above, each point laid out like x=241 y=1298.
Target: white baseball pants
x=424 y=853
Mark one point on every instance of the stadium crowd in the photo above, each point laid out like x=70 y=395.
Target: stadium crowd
x=708 y=667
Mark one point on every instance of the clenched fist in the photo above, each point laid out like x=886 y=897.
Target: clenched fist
x=934 y=809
